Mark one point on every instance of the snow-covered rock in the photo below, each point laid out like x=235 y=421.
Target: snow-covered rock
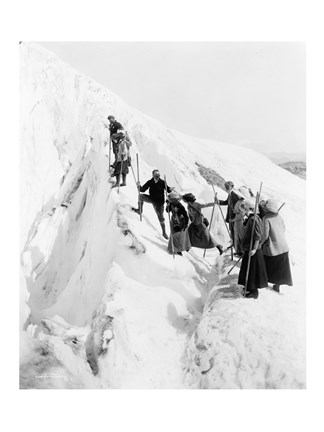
x=103 y=305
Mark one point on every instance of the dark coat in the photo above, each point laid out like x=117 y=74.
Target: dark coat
x=257 y=234
x=181 y=215
x=114 y=127
x=198 y=232
x=257 y=271
x=156 y=190
x=230 y=201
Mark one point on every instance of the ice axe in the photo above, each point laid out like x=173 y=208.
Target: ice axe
x=251 y=241
x=139 y=193
x=166 y=195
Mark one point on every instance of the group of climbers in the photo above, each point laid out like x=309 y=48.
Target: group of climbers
x=269 y=259
x=258 y=237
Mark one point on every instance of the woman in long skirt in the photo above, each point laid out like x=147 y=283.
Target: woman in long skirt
x=179 y=239
x=274 y=246
x=257 y=272
x=199 y=234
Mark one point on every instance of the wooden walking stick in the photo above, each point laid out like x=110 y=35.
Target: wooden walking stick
x=139 y=193
x=251 y=240
x=109 y=153
x=120 y=174
x=211 y=219
x=221 y=212
x=171 y=239
x=133 y=174
x=235 y=265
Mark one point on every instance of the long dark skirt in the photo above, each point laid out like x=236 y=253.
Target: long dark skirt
x=257 y=273
x=200 y=236
x=278 y=269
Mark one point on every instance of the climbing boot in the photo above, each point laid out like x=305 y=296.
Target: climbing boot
x=276 y=288
x=252 y=294
x=124 y=180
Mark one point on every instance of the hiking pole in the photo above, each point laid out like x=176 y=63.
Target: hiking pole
x=235 y=265
x=133 y=174
x=211 y=219
x=281 y=207
x=139 y=193
x=120 y=173
x=221 y=212
x=166 y=196
x=251 y=240
x=109 y=153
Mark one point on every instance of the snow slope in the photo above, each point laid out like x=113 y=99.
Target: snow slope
x=103 y=305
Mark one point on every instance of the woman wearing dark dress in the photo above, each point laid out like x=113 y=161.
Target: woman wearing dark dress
x=257 y=271
x=199 y=234
x=179 y=239
x=274 y=246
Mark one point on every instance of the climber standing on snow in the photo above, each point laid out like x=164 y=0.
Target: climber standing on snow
x=274 y=246
x=179 y=237
x=230 y=201
x=122 y=159
x=198 y=232
x=257 y=277
x=114 y=127
x=157 y=189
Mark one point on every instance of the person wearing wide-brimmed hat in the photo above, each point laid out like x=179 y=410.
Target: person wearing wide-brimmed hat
x=274 y=246
x=257 y=272
x=179 y=225
x=198 y=232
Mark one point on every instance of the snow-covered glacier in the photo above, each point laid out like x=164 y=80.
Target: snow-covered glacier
x=102 y=303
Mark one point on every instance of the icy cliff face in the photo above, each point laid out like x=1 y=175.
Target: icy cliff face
x=102 y=303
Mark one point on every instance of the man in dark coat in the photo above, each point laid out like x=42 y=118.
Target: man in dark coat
x=156 y=197
x=230 y=201
x=114 y=125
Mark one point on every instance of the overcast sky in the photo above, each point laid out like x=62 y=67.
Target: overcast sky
x=245 y=93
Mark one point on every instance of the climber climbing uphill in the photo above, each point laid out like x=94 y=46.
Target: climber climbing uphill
x=115 y=139
x=156 y=197
x=122 y=159
x=179 y=236
x=114 y=125
x=198 y=232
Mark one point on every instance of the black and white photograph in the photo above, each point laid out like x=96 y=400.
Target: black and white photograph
x=163 y=215
x=161 y=211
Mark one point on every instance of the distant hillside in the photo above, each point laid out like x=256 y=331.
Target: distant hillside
x=281 y=157
x=297 y=168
